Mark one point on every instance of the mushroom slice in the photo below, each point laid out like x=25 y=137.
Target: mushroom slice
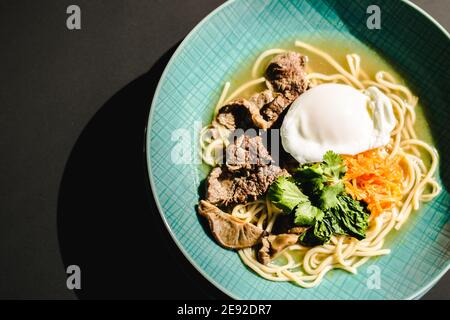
x=229 y=231
x=273 y=245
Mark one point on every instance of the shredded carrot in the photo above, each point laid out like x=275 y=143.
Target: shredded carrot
x=374 y=178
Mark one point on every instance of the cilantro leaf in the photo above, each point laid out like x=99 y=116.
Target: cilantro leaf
x=328 y=197
x=306 y=213
x=285 y=194
x=311 y=178
x=322 y=181
x=333 y=166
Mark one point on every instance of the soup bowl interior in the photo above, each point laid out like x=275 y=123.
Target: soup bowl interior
x=231 y=37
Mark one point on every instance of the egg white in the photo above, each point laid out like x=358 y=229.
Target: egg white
x=336 y=117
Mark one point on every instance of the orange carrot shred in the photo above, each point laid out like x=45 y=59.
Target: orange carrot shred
x=374 y=178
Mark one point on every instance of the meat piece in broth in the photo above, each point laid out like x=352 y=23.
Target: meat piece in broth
x=241 y=114
x=245 y=114
x=247 y=153
x=286 y=72
x=263 y=98
x=246 y=175
x=229 y=231
x=272 y=111
x=260 y=111
x=227 y=188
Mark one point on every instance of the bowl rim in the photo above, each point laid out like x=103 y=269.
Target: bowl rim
x=147 y=138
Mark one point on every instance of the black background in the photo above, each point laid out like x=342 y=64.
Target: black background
x=73 y=109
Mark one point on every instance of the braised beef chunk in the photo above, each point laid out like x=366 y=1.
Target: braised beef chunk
x=286 y=73
x=239 y=114
x=227 y=188
x=228 y=230
x=242 y=114
x=260 y=111
x=251 y=185
x=247 y=153
x=272 y=245
x=220 y=186
x=271 y=111
x=246 y=175
x=263 y=98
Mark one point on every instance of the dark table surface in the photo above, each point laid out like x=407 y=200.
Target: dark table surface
x=74 y=105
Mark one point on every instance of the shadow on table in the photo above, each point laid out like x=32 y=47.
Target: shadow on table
x=108 y=223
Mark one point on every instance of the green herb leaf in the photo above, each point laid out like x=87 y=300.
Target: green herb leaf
x=319 y=234
x=285 y=194
x=311 y=178
x=352 y=216
x=328 y=197
x=306 y=214
x=333 y=166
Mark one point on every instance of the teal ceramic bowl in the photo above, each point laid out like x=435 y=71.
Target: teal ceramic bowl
x=232 y=36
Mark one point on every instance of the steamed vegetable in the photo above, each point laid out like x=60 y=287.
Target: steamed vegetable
x=316 y=196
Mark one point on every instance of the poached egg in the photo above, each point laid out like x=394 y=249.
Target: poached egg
x=336 y=117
